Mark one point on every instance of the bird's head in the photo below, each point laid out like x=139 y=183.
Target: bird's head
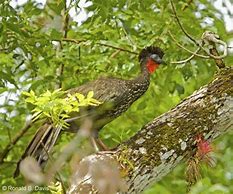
x=151 y=57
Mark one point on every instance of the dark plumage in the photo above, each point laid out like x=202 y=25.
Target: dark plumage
x=117 y=95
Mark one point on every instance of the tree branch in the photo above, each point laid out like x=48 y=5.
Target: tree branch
x=65 y=32
x=166 y=141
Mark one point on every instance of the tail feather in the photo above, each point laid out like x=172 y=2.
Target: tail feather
x=47 y=145
x=41 y=145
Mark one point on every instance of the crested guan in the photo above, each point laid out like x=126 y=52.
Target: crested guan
x=116 y=96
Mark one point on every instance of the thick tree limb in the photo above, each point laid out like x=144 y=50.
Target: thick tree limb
x=167 y=140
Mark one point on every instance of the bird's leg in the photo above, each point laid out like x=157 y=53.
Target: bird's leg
x=94 y=143
x=101 y=145
x=97 y=143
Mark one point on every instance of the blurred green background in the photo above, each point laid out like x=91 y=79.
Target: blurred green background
x=30 y=57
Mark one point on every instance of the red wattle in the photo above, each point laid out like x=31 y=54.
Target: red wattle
x=151 y=66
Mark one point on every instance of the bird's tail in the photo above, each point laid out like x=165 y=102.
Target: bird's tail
x=41 y=145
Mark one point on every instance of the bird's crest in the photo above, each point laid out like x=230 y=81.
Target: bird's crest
x=149 y=51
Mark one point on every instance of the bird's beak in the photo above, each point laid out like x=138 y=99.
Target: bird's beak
x=157 y=59
x=163 y=62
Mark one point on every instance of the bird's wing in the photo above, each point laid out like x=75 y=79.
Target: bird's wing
x=109 y=91
x=105 y=90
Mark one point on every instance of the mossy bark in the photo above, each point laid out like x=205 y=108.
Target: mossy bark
x=171 y=138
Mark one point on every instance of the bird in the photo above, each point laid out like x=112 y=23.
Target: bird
x=116 y=96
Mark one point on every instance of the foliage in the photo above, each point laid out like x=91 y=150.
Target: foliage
x=30 y=57
x=56 y=188
x=54 y=106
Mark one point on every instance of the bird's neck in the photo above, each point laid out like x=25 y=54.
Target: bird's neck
x=144 y=75
x=141 y=83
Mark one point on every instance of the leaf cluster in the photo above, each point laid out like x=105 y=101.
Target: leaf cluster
x=58 y=105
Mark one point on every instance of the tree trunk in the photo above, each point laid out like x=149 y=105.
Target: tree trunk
x=165 y=141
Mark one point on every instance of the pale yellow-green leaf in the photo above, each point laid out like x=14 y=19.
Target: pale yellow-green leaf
x=26 y=93
x=90 y=94
x=80 y=97
x=55 y=106
x=32 y=93
x=56 y=188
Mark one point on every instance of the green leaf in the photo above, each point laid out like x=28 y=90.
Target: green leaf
x=55 y=35
x=8 y=77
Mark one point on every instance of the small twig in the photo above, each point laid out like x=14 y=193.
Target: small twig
x=75 y=118
x=18 y=66
x=183 y=61
x=99 y=43
x=117 y=48
x=193 y=53
x=114 y=53
x=66 y=19
x=71 y=40
x=65 y=30
x=179 y=23
x=128 y=37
